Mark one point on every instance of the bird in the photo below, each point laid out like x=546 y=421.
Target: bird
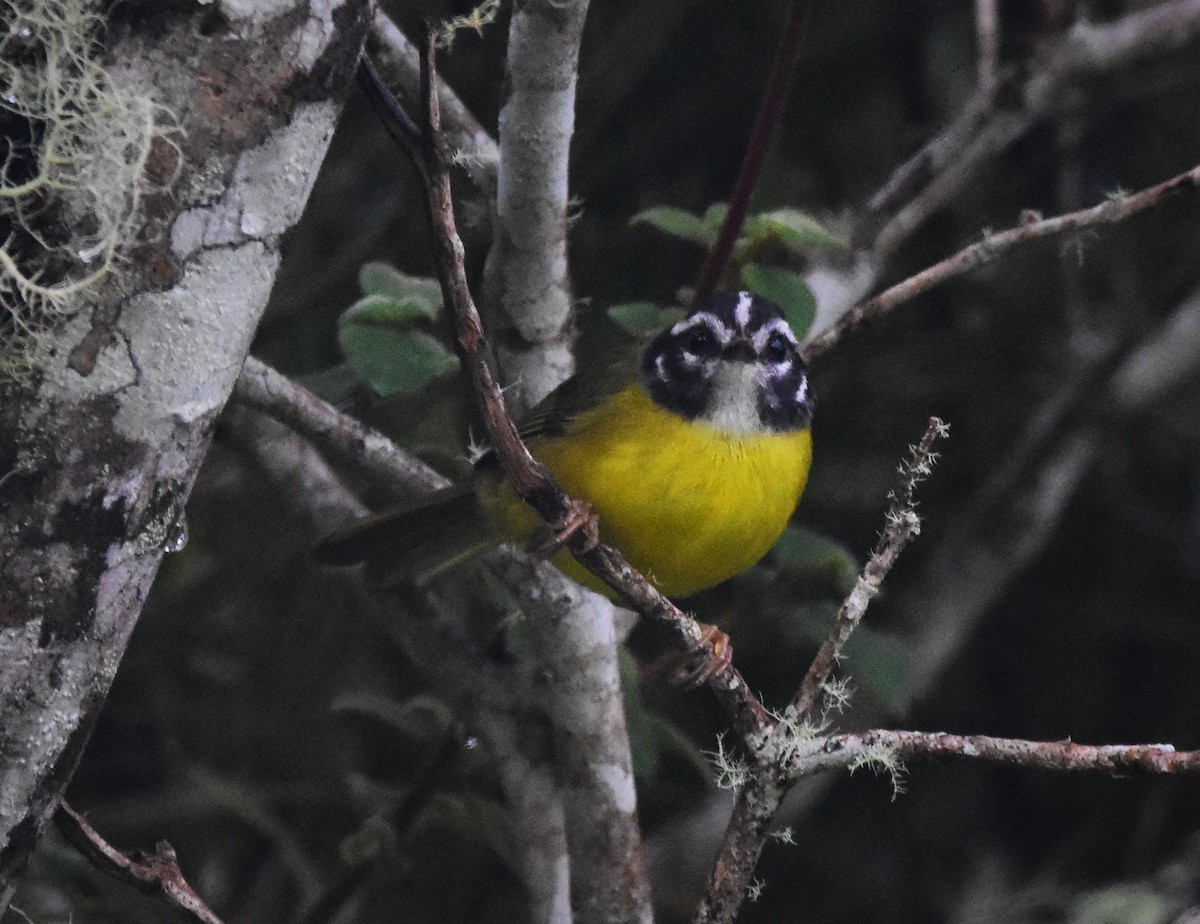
x=693 y=459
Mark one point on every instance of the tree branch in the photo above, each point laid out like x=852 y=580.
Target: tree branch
x=399 y=64
x=765 y=781
x=373 y=454
x=606 y=851
x=989 y=122
x=992 y=247
x=532 y=480
x=526 y=280
x=151 y=873
x=878 y=746
x=901 y=525
x=108 y=435
x=987 y=41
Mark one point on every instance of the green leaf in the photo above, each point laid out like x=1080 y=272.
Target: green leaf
x=391 y=360
x=801 y=550
x=644 y=318
x=377 y=309
x=714 y=215
x=796 y=230
x=677 y=223
x=788 y=290
x=424 y=295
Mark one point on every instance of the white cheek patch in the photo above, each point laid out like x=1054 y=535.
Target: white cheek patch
x=660 y=368
x=802 y=391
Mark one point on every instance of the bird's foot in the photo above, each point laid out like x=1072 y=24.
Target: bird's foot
x=720 y=659
x=580 y=518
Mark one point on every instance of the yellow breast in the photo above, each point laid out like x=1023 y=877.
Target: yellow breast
x=688 y=504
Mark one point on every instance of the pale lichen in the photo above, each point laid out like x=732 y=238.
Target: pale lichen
x=75 y=148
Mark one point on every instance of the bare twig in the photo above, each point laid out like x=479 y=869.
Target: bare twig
x=399 y=65
x=262 y=388
x=766 y=782
x=992 y=247
x=534 y=482
x=154 y=873
x=990 y=121
x=395 y=119
x=902 y=524
x=783 y=70
x=605 y=846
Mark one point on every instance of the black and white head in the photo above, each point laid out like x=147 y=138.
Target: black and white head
x=733 y=363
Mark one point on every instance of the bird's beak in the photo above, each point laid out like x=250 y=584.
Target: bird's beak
x=739 y=350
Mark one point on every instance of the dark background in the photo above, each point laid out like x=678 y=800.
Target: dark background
x=250 y=723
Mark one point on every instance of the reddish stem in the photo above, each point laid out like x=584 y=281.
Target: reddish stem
x=783 y=69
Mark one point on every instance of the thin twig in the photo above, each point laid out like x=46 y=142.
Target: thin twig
x=766 y=780
x=859 y=748
x=992 y=247
x=399 y=64
x=266 y=390
x=990 y=121
x=395 y=119
x=154 y=873
x=530 y=478
x=901 y=526
x=783 y=71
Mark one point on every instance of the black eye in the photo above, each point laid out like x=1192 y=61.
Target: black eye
x=777 y=349
x=700 y=340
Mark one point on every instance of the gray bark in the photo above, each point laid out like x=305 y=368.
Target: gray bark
x=99 y=449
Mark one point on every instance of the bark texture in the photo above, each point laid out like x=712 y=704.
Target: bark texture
x=99 y=450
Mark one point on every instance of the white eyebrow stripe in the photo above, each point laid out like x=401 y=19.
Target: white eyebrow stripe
x=741 y=313
x=773 y=326
x=715 y=324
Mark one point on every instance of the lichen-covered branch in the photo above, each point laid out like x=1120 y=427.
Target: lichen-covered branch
x=577 y=643
x=881 y=748
x=104 y=441
x=528 y=287
x=764 y=780
x=901 y=526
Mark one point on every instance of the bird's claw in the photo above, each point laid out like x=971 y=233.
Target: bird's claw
x=580 y=518
x=720 y=660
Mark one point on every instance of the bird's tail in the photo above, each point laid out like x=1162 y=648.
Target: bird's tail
x=414 y=544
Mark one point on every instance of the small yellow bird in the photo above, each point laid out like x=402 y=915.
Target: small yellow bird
x=693 y=461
